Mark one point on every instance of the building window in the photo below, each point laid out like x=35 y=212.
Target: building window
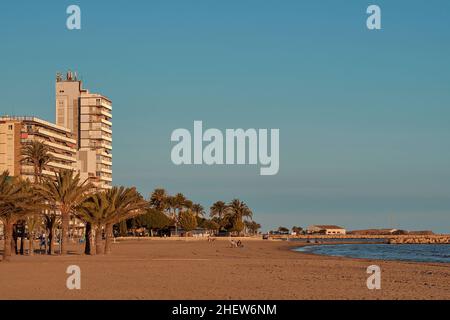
x=10 y=127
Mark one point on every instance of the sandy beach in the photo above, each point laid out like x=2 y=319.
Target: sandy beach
x=170 y=269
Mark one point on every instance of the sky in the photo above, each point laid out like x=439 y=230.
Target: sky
x=363 y=115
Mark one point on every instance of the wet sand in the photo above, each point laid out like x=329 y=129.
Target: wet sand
x=170 y=269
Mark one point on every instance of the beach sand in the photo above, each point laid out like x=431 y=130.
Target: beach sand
x=169 y=269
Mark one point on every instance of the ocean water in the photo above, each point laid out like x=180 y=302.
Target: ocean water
x=403 y=252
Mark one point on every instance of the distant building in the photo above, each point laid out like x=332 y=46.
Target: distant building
x=16 y=132
x=325 y=229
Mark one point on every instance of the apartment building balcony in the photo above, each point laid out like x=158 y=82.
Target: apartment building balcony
x=106 y=129
x=95 y=111
x=106 y=146
x=95 y=126
x=108 y=155
x=56 y=136
x=105 y=170
x=59 y=146
x=63 y=157
x=29 y=172
x=97 y=135
x=95 y=144
x=106 y=162
x=106 y=104
x=106 y=114
x=106 y=178
x=60 y=165
x=106 y=122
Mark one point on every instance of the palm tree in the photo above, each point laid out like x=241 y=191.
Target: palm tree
x=93 y=211
x=104 y=209
x=252 y=226
x=50 y=221
x=17 y=200
x=65 y=193
x=158 y=199
x=198 y=210
x=125 y=203
x=238 y=211
x=179 y=203
x=171 y=206
x=37 y=154
x=32 y=221
x=218 y=209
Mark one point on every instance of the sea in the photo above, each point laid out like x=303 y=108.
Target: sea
x=382 y=251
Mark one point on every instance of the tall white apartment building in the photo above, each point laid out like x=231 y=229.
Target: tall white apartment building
x=88 y=116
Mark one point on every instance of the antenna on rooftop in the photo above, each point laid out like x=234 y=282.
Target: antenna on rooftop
x=69 y=76
x=59 y=77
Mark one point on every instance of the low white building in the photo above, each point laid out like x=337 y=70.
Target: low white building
x=325 y=229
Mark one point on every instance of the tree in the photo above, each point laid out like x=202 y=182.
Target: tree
x=158 y=199
x=104 y=209
x=237 y=226
x=297 y=230
x=179 y=202
x=198 y=210
x=17 y=200
x=154 y=220
x=50 y=221
x=171 y=208
x=252 y=227
x=93 y=211
x=32 y=221
x=65 y=193
x=125 y=203
x=188 y=220
x=218 y=209
x=237 y=212
x=283 y=229
x=38 y=155
x=210 y=225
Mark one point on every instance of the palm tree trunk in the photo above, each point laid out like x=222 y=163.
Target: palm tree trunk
x=8 y=232
x=14 y=240
x=31 y=244
x=21 y=240
x=109 y=235
x=51 y=235
x=87 y=239
x=98 y=240
x=65 y=216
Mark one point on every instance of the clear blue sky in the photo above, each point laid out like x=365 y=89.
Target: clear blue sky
x=363 y=115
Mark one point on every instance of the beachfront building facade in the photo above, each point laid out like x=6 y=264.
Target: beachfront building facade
x=325 y=229
x=88 y=116
x=16 y=132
